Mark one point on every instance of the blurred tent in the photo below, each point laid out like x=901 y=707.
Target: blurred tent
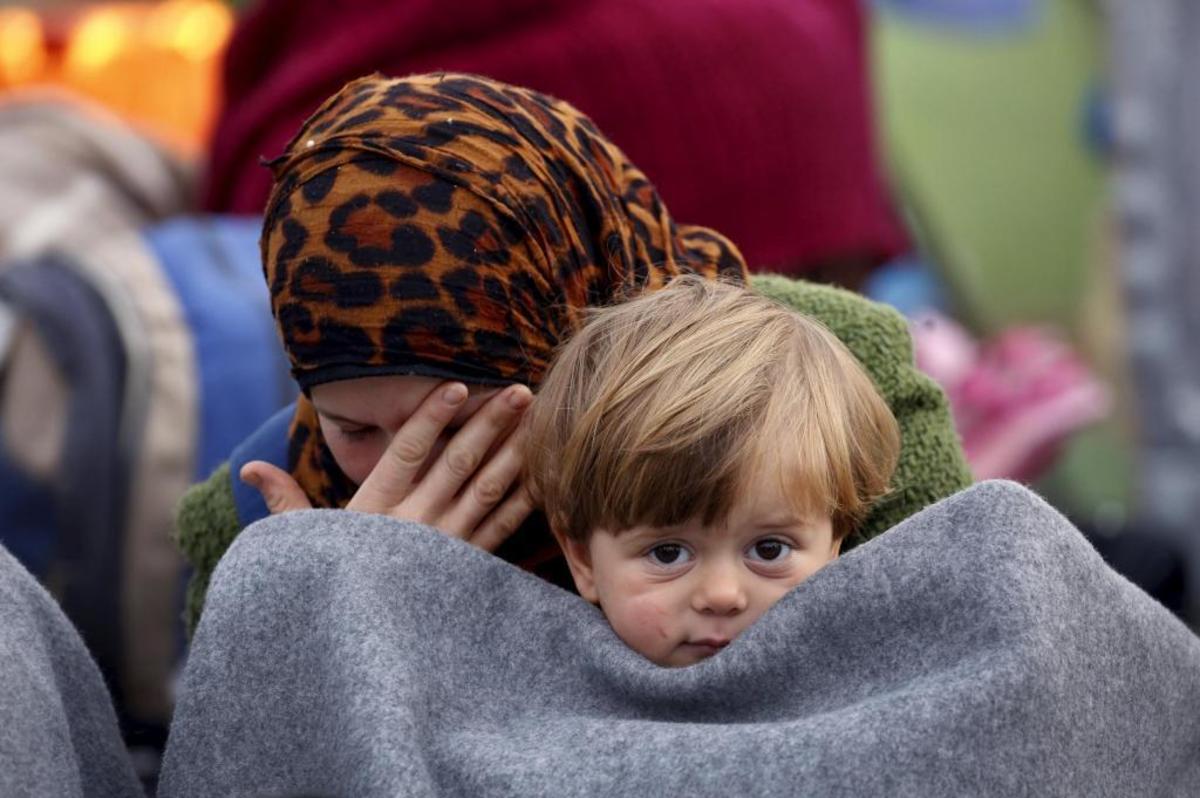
x=984 y=133
x=985 y=110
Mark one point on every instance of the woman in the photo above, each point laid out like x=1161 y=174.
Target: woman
x=449 y=227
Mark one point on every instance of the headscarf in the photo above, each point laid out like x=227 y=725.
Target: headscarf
x=752 y=116
x=449 y=225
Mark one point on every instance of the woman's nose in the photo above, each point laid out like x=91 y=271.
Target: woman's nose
x=719 y=591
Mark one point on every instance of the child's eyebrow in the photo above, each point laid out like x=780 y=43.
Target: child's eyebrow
x=782 y=522
x=647 y=532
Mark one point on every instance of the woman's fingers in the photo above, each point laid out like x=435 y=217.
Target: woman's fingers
x=467 y=492
x=279 y=490
x=462 y=461
x=504 y=521
x=391 y=481
x=487 y=488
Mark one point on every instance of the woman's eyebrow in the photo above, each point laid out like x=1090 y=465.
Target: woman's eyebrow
x=334 y=417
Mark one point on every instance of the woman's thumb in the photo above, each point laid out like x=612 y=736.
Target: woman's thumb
x=279 y=490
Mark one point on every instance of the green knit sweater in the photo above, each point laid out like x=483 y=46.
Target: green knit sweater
x=931 y=465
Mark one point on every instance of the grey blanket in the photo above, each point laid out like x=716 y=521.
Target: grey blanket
x=981 y=647
x=58 y=732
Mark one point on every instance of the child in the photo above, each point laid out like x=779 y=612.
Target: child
x=699 y=451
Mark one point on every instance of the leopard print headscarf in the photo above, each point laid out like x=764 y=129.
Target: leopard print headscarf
x=449 y=225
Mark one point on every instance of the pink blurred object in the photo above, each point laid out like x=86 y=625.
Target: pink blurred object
x=1015 y=398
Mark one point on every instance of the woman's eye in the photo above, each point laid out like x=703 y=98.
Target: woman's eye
x=769 y=550
x=358 y=433
x=669 y=554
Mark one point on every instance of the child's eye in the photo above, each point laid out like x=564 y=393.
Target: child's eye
x=669 y=554
x=769 y=550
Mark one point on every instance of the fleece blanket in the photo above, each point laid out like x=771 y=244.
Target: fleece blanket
x=979 y=648
x=58 y=731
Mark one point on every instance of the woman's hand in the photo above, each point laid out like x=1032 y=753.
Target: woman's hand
x=465 y=493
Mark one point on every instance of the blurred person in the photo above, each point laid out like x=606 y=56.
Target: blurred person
x=125 y=327
x=452 y=228
x=753 y=116
x=74 y=173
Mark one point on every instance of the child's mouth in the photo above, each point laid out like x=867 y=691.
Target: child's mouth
x=708 y=645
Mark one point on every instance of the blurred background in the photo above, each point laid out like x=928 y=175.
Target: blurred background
x=1020 y=178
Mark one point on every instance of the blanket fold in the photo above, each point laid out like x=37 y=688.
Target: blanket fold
x=58 y=731
x=980 y=647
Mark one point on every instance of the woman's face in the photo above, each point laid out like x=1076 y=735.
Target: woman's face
x=360 y=416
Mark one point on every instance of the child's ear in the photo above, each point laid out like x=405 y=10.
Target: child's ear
x=579 y=560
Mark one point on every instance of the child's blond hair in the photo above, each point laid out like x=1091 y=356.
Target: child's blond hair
x=663 y=408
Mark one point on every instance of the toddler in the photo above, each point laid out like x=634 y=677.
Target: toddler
x=699 y=451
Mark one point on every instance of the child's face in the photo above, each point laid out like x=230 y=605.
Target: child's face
x=679 y=594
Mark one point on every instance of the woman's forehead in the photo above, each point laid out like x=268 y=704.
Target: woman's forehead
x=366 y=398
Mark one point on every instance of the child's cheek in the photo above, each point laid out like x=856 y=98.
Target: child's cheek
x=650 y=621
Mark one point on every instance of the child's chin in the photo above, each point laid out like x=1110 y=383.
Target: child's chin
x=686 y=655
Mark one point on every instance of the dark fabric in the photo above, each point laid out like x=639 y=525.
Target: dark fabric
x=751 y=116
x=453 y=226
x=1151 y=561
x=27 y=505
x=981 y=647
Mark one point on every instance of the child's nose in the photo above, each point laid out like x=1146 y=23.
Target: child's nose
x=719 y=592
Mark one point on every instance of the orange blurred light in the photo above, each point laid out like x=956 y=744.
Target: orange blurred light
x=157 y=64
x=196 y=29
x=22 y=46
x=99 y=39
